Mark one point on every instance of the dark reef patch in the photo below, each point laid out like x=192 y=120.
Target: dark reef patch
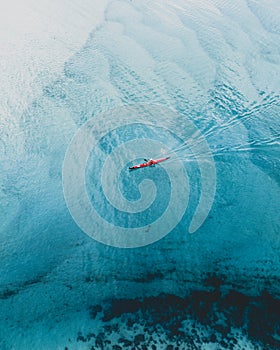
x=18 y=288
x=171 y=322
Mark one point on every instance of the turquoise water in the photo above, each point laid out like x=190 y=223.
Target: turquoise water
x=184 y=254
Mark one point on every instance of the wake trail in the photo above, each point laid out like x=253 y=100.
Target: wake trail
x=216 y=130
x=239 y=119
x=184 y=153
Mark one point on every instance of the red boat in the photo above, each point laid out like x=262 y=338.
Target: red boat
x=148 y=163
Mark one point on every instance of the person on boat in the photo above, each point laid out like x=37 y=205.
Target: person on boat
x=150 y=162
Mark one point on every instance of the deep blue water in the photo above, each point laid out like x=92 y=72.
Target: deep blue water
x=184 y=254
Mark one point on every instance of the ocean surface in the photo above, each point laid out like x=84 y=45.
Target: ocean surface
x=181 y=255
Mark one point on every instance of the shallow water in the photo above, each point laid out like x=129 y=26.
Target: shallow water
x=89 y=90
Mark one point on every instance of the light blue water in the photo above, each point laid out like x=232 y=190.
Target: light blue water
x=198 y=81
